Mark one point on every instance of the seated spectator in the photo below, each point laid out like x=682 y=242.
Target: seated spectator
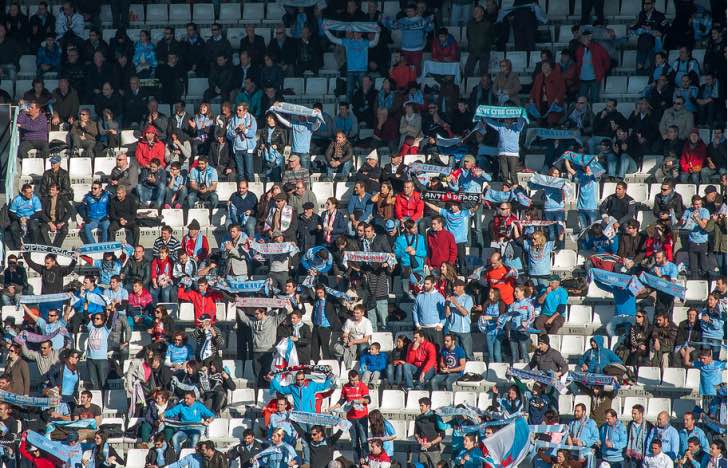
x=122 y=215
x=451 y=364
x=145 y=57
x=347 y=122
x=84 y=132
x=48 y=57
x=506 y=85
x=221 y=79
x=548 y=93
x=94 y=210
x=202 y=185
x=189 y=410
x=295 y=171
x=599 y=359
x=271 y=74
x=679 y=116
x=151 y=189
x=172 y=78
x=309 y=56
x=444 y=47
x=420 y=363
x=33 y=126
x=692 y=158
x=250 y=94
x=548 y=360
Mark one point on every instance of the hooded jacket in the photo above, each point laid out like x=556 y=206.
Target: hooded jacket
x=449 y=52
x=146 y=151
x=441 y=248
x=693 y=157
x=264 y=331
x=424 y=357
x=596 y=359
x=96 y=209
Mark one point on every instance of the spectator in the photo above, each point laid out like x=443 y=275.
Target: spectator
x=221 y=79
x=612 y=438
x=300 y=196
x=308 y=56
x=172 y=77
x=33 y=126
x=650 y=27
x=695 y=220
x=203 y=185
x=17 y=372
x=444 y=47
x=414 y=29
x=480 y=33
x=451 y=365
x=593 y=64
x=242 y=208
x=253 y=44
x=151 y=190
x=692 y=159
x=264 y=328
x=548 y=94
x=506 y=85
x=679 y=116
x=457 y=315
x=194 y=54
x=188 y=411
x=122 y=215
x=428 y=314
x=48 y=57
x=356 y=395
x=295 y=171
x=218 y=45
x=241 y=131
x=282 y=49
x=429 y=432
x=95 y=212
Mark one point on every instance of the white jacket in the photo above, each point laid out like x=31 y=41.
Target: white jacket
x=658 y=461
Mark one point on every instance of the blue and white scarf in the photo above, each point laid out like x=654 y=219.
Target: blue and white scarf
x=104 y=247
x=295 y=109
x=318 y=419
x=497 y=112
x=523 y=374
x=422 y=168
x=45 y=298
x=585 y=160
x=541 y=180
x=47 y=249
x=61 y=451
x=28 y=401
x=551 y=134
x=616 y=280
x=662 y=285
x=77 y=424
x=591 y=379
x=353 y=26
x=498 y=196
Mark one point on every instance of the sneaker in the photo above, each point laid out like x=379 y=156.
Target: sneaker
x=177 y=206
x=167 y=206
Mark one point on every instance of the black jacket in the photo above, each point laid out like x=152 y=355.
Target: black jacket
x=286 y=53
x=123 y=209
x=63 y=210
x=219 y=156
x=135 y=106
x=277 y=138
x=370 y=176
x=687 y=334
x=622 y=210
x=303 y=345
x=61 y=178
x=245 y=455
x=134 y=270
x=173 y=81
x=673 y=201
x=396 y=178
x=308 y=234
x=51 y=278
x=170 y=456
x=331 y=315
x=323 y=452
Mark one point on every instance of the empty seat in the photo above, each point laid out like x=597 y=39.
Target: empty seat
x=441 y=398
x=32 y=167
x=186 y=312
x=236 y=427
x=80 y=167
x=696 y=290
x=202 y=215
x=344 y=191
x=156 y=14
x=229 y=13
x=692 y=379
x=580 y=315
x=294 y=84
x=103 y=166
x=565 y=260
x=218 y=428
x=253 y=11
x=196 y=87
x=603 y=314
x=572 y=345
x=316 y=86
x=323 y=191
x=58 y=135
x=616 y=85
x=173 y=217
x=385 y=341
x=497 y=372
x=180 y=13
x=595 y=292
x=566 y=404
x=225 y=190
x=656 y=405
x=638 y=191
x=673 y=377
x=136 y=458
x=392 y=399
x=413 y=397
x=474 y=367
x=636 y=84
x=202 y=12
x=686 y=191
x=649 y=376
x=468 y=398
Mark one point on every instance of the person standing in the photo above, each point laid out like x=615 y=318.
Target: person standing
x=355 y=394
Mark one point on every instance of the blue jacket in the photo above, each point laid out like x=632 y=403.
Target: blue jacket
x=618 y=436
x=696 y=432
x=585 y=430
x=670 y=441
x=414 y=32
x=24 y=208
x=597 y=359
x=243 y=141
x=145 y=51
x=601 y=244
x=189 y=414
x=372 y=363
x=49 y=57
x=304 y=397
x=429 y=309
x=714 y=328
x=418 y=242
x=95 y=209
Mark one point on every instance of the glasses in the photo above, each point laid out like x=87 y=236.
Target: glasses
x=119 y=159
x=581 y=102
x=97 y=319
x=665 y=189
x=95 y=188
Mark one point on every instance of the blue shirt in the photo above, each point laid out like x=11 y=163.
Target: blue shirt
x=587 y=67
x=553 y=199
x=206 y=177
x=712 y=329
x=588 y=191
x=710 y=376
x=624 y=302
x=696 y=234
x=364 y=204
x=451 y=358
x=553 y=300
x=97 y=345
x=539 y=261
x=48 y=328
x=670 y=440
x=357 y=54
x=24 y=208
x=429 y=309
x=319 y=314
x=668 y=269
x=178 y=354
x=457 y=322
x=70 y=380
x=696 y=432
x=457 y=223
x=489 y=327
x=301 y=135
x=618 y=436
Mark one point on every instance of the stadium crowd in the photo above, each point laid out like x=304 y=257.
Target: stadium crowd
x=443 y=256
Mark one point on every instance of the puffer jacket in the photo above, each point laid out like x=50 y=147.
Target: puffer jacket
x=96 y=208
x=146 y=151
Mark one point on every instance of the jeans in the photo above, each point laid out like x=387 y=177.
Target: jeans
x=395 y=374
x=483 y=61
x=590 y=89
x=460 y=14
x=359 y=432
x=181 y=436
x=165 y=294
x=493 y=345
x=172 y=198
x=692 y=177
x=343 y=170
x=519 y=347
x=465 y=340
x=98 y=371
x=352 y=82
x=586 y=6
x=555 y=230
x=587 y=218
x=698 y=260
x=619 y=166
x=103 y=226
x=154 y=195
x=208 y=198
x=444 y=380
x=411 y=372
x=305 y=159
x=714 y=344
x=244 y=165
x=378 y=315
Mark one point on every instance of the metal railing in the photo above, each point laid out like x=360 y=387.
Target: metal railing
x=11 y=177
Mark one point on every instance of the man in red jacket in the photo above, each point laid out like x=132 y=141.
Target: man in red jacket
x=421 y=362
x=149 y=147
x=408 y=204
x=441 y=246
x=592 y=62
x=203 y=300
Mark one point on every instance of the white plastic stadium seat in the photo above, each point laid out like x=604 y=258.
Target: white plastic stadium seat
x=580 y=315
x=173 y=217
x=629 y=402
x=202 y=215
x=565 y=260
x=80 y=167
x=441 y=398
x=649 y=376
x=656 y=405
x=218 y=428
x=468 y=398
x=103 y=166
x=180 y=14
x=392 y=399
x=136 y=458
x=673 y=377
x=32 y=167
x=323 y=191
x=156 y=14
x=696 y=290
x=572 y=345
x=230 y=13
x=385 y=341
x=59 y=135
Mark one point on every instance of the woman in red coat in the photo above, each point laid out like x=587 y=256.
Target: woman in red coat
x=692 y=158
x=549 y=89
